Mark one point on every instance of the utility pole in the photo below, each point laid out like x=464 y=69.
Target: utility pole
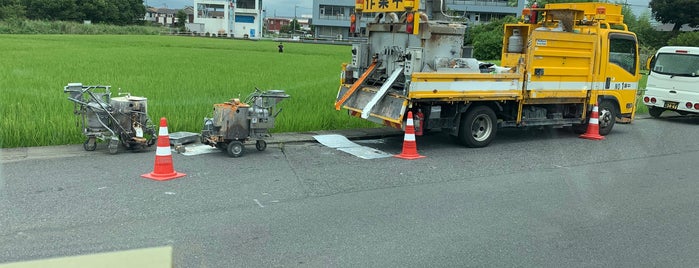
x=293 y=27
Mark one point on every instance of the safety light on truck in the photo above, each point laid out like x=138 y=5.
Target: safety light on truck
x=359 y=5
x=353 y=23
x=412 y=21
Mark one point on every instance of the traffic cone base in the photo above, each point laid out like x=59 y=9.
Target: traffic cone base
x=593 y=126
x=163 y=177
x=409 y=145
x=163 y=168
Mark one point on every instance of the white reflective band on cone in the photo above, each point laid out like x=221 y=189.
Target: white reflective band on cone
x=409 y=137
x=162 y=151
x=162 y=131
x=594 y=121
x=410 y=122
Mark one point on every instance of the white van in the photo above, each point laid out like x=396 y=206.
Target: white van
x=673 y=81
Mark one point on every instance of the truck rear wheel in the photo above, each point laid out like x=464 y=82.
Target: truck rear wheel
x=478 y=127
x=607 y=117
x=655 y=112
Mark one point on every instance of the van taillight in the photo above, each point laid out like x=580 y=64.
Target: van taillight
x=696 y=106
x=646 y=99
x=681 y=51
x=688 y=105
x=653 y=100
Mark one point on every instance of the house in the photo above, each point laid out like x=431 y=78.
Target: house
x=239 y=18
x=163 y=16
x=166 y=16
x=275 y=24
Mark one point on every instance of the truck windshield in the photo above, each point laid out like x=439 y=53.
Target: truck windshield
x=677 y=64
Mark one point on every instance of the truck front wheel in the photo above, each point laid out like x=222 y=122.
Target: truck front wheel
x=478 y=127
x=607 y=117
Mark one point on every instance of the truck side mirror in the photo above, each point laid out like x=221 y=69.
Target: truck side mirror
x=650 y=63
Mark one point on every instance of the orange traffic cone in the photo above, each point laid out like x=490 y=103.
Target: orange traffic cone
x=409 y=145
x=593 y=126
x=163 y=169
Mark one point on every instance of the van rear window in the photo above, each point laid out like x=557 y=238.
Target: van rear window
x=677 y=64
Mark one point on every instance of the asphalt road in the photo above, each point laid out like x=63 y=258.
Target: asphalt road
x=534 y=197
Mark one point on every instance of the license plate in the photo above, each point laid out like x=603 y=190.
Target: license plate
x=671 y=105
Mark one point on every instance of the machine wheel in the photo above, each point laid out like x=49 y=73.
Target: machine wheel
x=655 y=112
x=478 y=127
x=90 y=144
x=113 y=146
x=180 y=149
x=261 y=145
x=235 y=149
x=607 y=117
x=152 y=141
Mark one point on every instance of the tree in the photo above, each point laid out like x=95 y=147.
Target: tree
x=487 y=38
x=295 y=27
x=679 y=12
x=181 y=19
x=685 y=39
x=52 y=10
x=12 y=9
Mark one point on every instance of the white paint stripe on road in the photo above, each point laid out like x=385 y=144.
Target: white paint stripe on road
x=341 y=143
x=198 y=149
x=258 y=203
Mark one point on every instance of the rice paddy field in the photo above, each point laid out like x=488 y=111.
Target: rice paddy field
x=182 y=77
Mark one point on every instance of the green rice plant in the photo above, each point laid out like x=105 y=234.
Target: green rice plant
x=640 y=107
x=182 y=77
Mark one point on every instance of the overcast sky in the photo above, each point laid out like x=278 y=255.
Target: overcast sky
x=282 y=8
x=285 y=8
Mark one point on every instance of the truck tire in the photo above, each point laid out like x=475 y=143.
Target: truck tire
x=478 y=127
x=607 y=117
x=235 y=149
x=655 y=112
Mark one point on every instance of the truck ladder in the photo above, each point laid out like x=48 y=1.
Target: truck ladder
x=355 y=86
x=384 y=88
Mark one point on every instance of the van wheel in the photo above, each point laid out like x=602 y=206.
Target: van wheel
x=655 y=112
x=478 y=127
x=607 y=117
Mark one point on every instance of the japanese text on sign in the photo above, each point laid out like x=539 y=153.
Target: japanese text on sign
x=389 y=5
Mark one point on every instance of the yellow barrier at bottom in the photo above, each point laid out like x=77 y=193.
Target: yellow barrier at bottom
x=137 y=258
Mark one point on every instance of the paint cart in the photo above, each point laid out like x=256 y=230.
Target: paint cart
x=119 y=120
x=235 y=122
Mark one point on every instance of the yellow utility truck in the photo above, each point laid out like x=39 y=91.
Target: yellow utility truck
x=557 y=63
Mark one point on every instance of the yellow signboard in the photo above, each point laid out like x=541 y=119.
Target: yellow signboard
x=390 y=5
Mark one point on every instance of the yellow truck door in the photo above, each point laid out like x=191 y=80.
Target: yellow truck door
x=619 y=72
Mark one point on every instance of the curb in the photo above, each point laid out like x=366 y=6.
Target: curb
x=51 y=152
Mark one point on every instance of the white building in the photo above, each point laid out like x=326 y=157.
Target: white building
x=230 y=18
